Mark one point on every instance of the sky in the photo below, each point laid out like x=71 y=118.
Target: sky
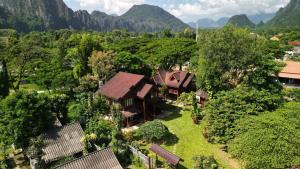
x=187 y=10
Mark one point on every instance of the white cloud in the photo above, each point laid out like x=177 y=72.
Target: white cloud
x=109 y=6
x=220 y=8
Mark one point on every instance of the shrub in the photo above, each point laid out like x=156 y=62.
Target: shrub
x=291 y=94
x=103 y=130
x=153 y=131
x=230 y=106
x=270 y=140
x=203 y=162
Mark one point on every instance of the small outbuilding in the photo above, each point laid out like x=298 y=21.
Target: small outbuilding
x=290 y=75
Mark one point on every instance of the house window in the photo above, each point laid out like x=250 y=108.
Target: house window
x=128 y=102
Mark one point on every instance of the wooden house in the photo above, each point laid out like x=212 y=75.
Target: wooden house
x=135 y=94
x=176 y=81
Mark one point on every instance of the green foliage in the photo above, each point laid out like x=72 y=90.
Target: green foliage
x=23 y=116
x=61 y=161
x=186 y=98
x=228 y=107
x=153 y=131
x=244 y=62
x=203 y=162
x=127 y=62
x=103 y=130
x=270 y=140
x=292 y=94
x=4 y=80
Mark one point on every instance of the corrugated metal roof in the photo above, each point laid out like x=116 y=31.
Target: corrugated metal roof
x=291 y=70
x=62 y=141
x=103 y=159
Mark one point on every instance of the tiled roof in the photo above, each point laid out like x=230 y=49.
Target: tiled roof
x=171 y=158
x=121 y=84
x=291 y=70
x=175 y=79
x=103 y=159
x=62 y=141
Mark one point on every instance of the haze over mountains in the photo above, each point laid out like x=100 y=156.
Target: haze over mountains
x=26 y=15
x=210 y=23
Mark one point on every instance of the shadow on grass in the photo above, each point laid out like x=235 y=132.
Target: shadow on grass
x=175 y=112
x=180 y=166
x=171 y=140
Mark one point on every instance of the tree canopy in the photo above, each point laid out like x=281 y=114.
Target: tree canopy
x=232 y=56
x=270 y=140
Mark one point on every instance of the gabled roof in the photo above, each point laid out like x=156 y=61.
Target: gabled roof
x=62 y=141
x=291 y=70
x=144 y=91
x=120 y=85
x=175 y=79
x=103 y=159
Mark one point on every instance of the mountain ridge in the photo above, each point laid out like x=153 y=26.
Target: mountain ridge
x=55 y=14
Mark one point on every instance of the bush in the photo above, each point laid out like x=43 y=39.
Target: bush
x=103 y=130
x=203 y=162
x=270 y=140
x=153 y=131
x=291 y=94
x=230 y=106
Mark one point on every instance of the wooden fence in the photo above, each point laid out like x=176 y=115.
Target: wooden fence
x=147 y=161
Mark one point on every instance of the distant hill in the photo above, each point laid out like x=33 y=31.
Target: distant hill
x=28 y=15
x=153 y=18
x=241 y=21
x=287 y=17
x=210 y=23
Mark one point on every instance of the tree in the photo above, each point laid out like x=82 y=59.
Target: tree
x=232 y=56
x=23 y=116
x=229 y=106
x=103 y=130
x=270 y=140
x=127 y=62
x=4 y=79
x=81 y=46
x=102 y=64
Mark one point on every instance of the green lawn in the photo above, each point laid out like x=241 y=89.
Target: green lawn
x=190 y=141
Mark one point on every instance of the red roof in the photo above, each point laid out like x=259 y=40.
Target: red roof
x=120 y=85
x=291 y=70
x=171 y=158
x=175 y=79
x=144 y=91
x=294 y=43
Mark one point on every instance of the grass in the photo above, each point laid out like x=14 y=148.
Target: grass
x=191 y=142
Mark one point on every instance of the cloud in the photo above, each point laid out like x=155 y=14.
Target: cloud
x=109 y=6
x=220 y=8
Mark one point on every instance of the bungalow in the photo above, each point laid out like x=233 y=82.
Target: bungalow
x=102 y=159
x=290 y=75
x=135 y=94
x=176 y=81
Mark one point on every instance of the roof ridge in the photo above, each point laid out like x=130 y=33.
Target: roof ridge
x=92 y=153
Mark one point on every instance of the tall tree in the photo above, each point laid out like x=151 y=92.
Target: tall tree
x=232 y=56
x=102 y=64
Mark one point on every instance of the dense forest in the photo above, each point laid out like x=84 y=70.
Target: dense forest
x=44 y=75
